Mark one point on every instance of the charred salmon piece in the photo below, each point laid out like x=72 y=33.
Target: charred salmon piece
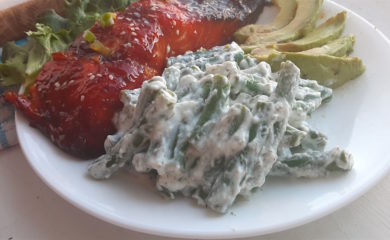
x=76 y=95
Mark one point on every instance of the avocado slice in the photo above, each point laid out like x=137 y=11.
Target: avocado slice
x=304 y=21
x=326 y=32
x=339 y=48
x=286 y=14
x=327 y=64
x=328 y=70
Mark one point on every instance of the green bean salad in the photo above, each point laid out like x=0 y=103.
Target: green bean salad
x=216 y=124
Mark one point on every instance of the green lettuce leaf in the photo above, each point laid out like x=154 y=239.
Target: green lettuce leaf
x=53 y=33
x=82 y=14
x=20 y=64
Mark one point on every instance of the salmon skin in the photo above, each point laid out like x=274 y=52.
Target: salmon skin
x=76 y=95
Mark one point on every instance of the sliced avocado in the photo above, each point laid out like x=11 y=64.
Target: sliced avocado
x=328 y=70
x=339 y=48
x=304 y=21
x=286 y=14
x=326 y=32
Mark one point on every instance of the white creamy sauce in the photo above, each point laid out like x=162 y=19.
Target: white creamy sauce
x=216 y=123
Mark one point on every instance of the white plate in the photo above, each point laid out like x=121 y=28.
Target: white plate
x=357 y=119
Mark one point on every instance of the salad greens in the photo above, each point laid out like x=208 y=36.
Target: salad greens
x=53 y=33
x=22 y=63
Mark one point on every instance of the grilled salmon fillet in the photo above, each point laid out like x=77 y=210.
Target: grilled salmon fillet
x=76 y=95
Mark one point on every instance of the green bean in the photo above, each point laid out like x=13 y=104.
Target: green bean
x=239 y=57
x=206 y=87
x=253 y=86
x=237 y=121
x=312 y=163
x=253 y=132
x=287 y=81
x=293 y=137
x=174 y=143
x=216 y=101
x=218 y=94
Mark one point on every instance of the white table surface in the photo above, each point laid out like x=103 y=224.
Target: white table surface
x=30 y=210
